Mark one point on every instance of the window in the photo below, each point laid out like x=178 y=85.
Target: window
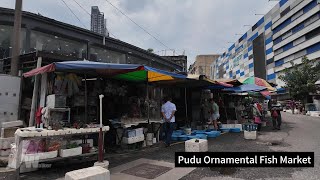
x=5 y=41
x=59 y=45
x=313 y=34
x=284 y=12
x=107 y=56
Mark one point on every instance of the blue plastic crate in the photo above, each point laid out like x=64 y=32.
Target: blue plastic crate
x=249 y=127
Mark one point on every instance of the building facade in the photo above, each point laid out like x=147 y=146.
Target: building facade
x=287 y=33
x=182 y=60
x=67 y=42
x=202 y=65
x=98 y=22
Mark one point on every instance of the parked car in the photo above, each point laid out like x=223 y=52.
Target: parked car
x=312 y=110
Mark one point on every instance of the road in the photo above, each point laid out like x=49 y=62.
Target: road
x=298 y=133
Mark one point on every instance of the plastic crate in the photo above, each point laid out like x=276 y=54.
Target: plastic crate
x=249 y=127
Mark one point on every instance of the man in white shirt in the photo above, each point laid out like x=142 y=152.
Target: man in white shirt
x=168 y=110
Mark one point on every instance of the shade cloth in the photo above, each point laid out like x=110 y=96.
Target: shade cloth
x=257 y=81
x=245 y=88
x=130 y=72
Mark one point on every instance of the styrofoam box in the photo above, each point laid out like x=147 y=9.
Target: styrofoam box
x=193 y=146
x=70 y=152
x=5 y=152
x=238 y=126
x=5 y=143
x=54 y=101
x=132 y=140
x=250 y=134
x=227 y=125
x=8 y=112
x=24 y=169
x=48 y=155
x=130 y=133
x=11 y=124
x=91 y=173
x=79 y=141
x=139 y=131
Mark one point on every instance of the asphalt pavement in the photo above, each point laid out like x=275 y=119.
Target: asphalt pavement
x=298 y=133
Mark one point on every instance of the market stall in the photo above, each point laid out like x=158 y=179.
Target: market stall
x=128 y=87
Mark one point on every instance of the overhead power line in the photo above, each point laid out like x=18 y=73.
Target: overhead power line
x=138 y=25
x=89 y=14
x=73 y=13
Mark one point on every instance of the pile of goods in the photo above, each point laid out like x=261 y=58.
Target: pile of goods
x=48 y=148
x=180 y=135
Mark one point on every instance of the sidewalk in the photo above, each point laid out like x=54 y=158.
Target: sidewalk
x=158 y=162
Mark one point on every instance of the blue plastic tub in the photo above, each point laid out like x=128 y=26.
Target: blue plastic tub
x=202 y=136
x=174 y=137
x=178 y=131
x=183 y=138
x=212 y=134
x=225 y=129
x=200 y=131
x=192 y=137
x=235 y=130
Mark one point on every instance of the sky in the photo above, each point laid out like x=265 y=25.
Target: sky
x=191 y=26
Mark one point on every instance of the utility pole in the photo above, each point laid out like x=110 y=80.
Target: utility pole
x=16 y=39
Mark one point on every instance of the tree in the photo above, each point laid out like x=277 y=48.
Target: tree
x=150 y=50
x=300 y=79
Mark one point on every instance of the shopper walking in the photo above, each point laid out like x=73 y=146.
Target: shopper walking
x=256 y=115
x=215 y=115
x=292 y=106
x=168 y=110
x=276 y=118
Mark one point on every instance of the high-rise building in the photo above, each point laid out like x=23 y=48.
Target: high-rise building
x=202 y=65
x=98 y=23
x=287 y=33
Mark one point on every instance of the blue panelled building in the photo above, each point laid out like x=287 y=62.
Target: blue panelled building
x=288 y=32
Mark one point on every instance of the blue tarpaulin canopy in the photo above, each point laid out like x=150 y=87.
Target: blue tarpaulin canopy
x=246 y=88
x=133 y=72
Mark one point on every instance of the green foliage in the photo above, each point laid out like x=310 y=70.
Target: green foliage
x=150 y=50
x=300 y=79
